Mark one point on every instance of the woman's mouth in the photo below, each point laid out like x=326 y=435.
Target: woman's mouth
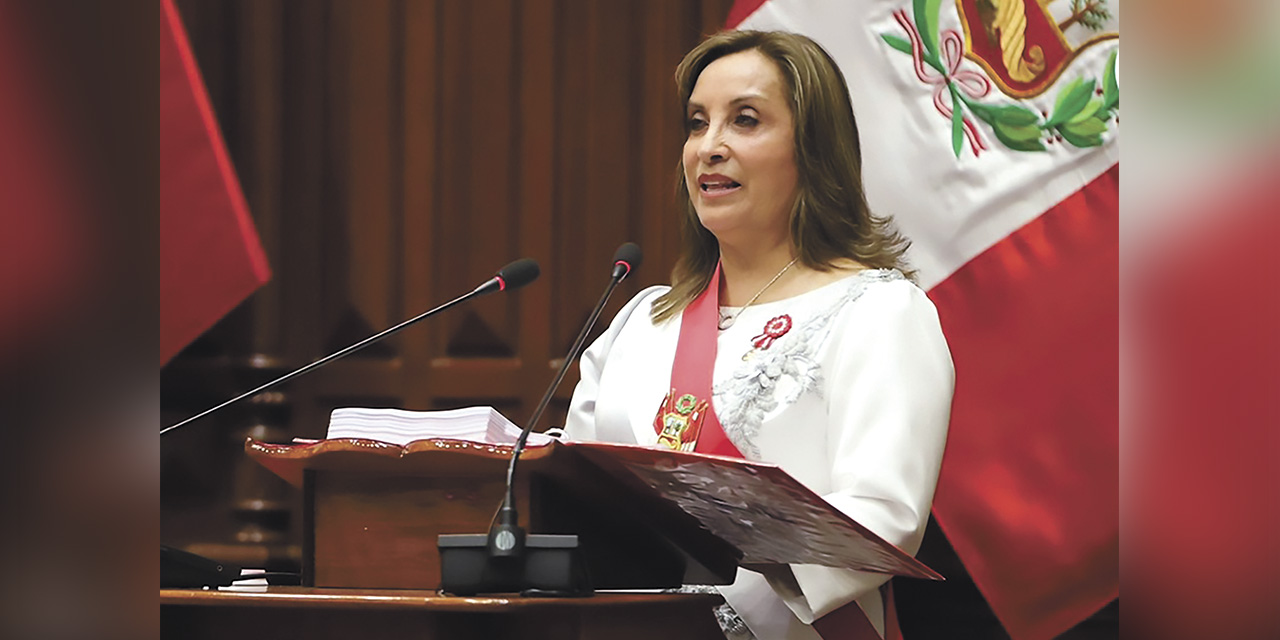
x=715 y=185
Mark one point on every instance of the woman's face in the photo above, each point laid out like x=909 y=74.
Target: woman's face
x=739 y=159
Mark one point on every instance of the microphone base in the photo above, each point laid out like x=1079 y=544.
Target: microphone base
x=551 y=565
x=183 y=570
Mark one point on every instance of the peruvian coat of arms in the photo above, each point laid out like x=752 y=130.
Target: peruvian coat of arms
x=1023 y=48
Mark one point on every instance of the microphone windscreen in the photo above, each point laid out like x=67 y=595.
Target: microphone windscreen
x=519 y=273
x=628 y=254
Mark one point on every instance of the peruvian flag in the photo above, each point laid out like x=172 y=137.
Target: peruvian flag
x=210 y=257
x=991 y=136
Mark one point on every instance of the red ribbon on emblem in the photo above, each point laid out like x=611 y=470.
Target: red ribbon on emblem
x=951 y=50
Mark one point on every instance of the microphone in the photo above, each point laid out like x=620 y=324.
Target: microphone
x=625 y=260
x=182 y=569
x=513 y=276
x=506 y=538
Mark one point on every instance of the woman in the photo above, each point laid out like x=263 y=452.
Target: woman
x=791 y=333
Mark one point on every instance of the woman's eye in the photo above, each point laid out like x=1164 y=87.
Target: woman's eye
x=745 y=120
x=697 y=124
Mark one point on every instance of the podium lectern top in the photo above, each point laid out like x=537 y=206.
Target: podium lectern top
x=758 y=509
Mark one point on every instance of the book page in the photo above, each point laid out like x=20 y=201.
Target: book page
x=401 y=426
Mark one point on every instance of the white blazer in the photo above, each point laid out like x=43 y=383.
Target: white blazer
x=853 y=402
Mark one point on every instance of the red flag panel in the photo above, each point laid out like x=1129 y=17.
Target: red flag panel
x=210 y=256
x=1202 y=485
x=44 y=249
x=1029 y=491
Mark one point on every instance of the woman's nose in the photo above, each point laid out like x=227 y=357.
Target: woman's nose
x=713 y=148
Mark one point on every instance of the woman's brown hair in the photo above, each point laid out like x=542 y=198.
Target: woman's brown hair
x=830 y=219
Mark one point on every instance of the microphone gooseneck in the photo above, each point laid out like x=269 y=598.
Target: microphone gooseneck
x=513 y=276
x=506 y=538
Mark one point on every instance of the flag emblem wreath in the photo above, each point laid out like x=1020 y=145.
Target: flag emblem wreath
x=1021 y=50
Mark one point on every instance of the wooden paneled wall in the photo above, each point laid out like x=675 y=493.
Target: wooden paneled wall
x=394 y=154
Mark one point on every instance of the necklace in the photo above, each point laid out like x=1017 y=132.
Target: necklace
x=727 y=320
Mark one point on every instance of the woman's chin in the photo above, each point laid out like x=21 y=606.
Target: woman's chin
x=716 y=217
x=719 y=226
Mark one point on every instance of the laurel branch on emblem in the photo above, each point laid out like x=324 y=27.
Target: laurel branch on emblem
x=1081 y=113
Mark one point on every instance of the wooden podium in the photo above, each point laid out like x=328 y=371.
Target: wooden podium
x=387 y=614
x=646 y=519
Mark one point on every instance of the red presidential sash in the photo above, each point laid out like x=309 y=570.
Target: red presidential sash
x=686 y=419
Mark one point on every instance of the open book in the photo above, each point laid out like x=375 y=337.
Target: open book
x=399 y=426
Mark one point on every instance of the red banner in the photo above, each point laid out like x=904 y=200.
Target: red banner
x=210 y=257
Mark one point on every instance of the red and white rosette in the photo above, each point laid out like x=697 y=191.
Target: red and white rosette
x=773 y=329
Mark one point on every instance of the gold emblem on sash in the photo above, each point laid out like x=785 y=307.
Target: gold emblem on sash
x=679 y=421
